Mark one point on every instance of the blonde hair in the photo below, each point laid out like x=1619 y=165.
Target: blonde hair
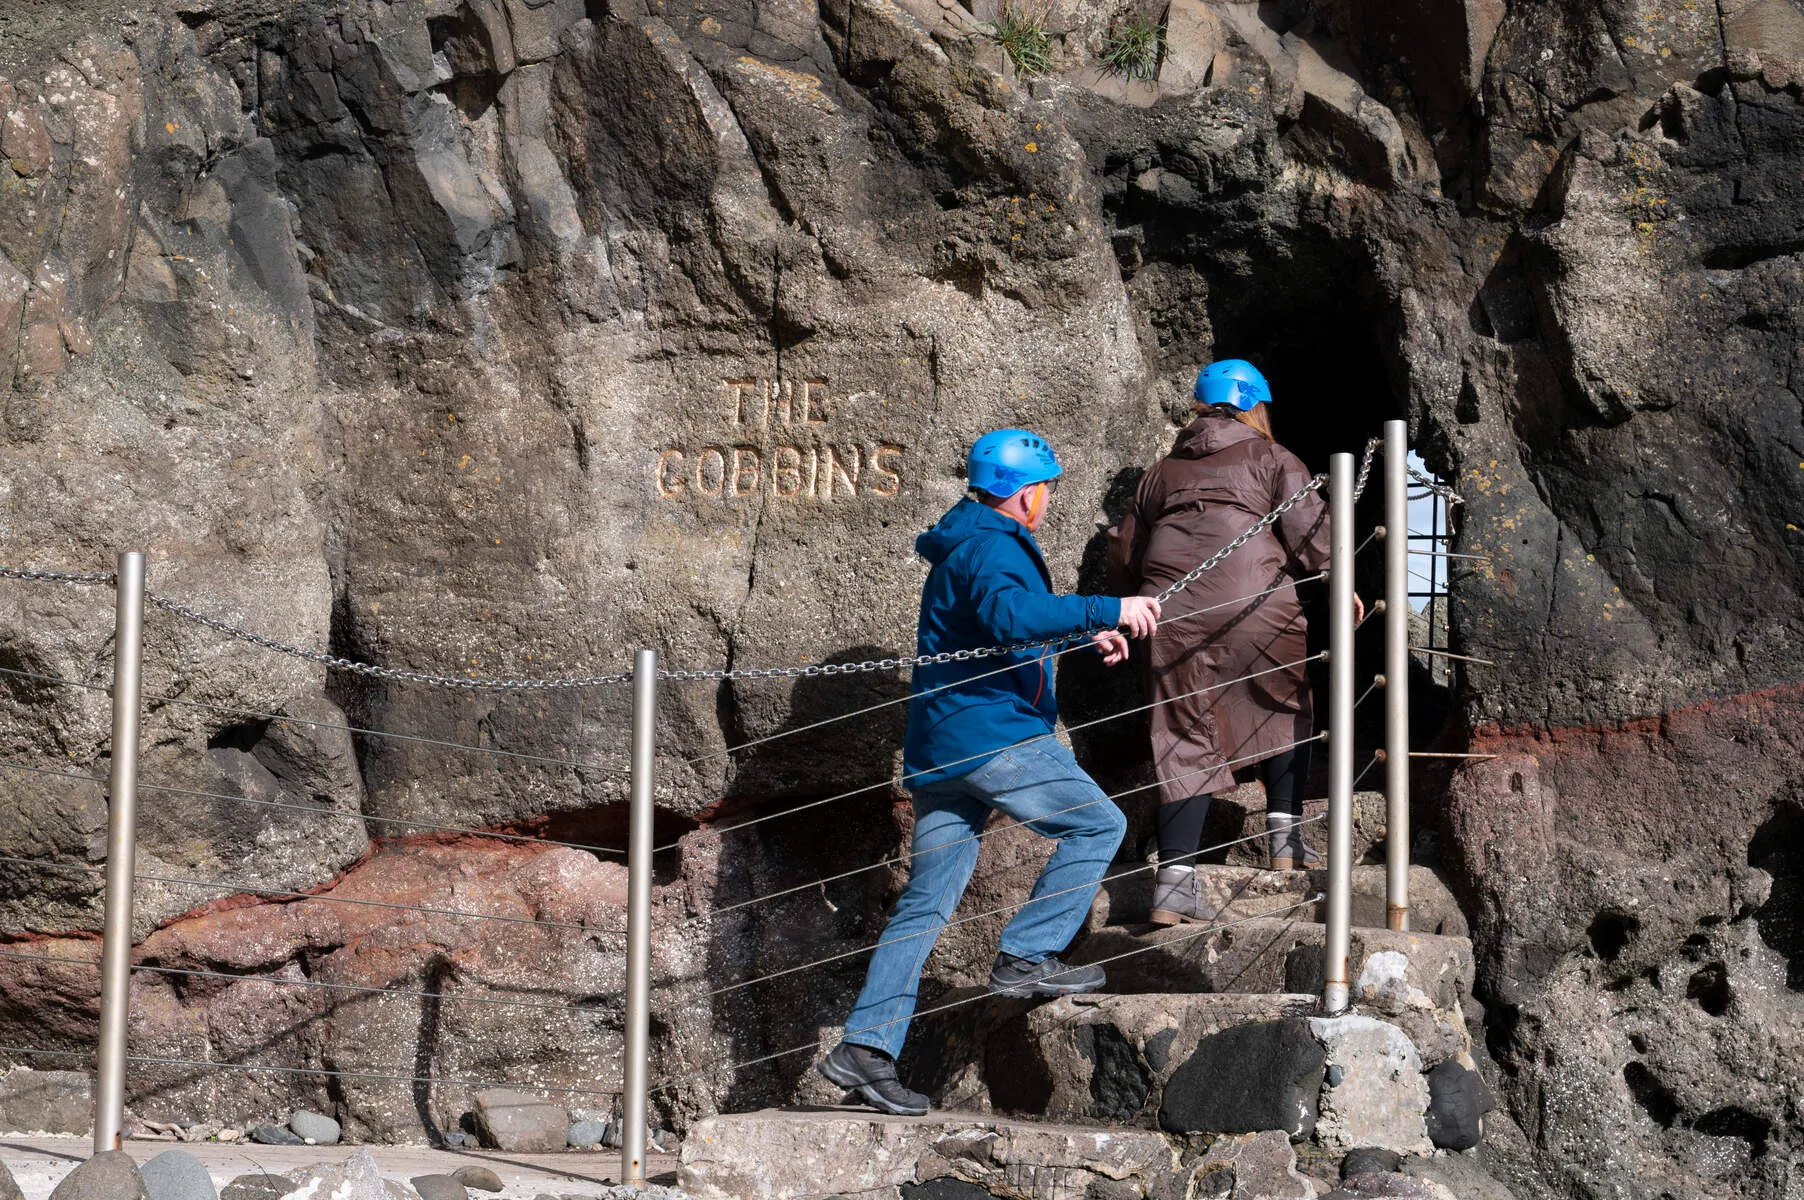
x=1255 y=418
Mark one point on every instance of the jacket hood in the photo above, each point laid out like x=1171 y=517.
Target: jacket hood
x=963 y=521
x=1206 y=434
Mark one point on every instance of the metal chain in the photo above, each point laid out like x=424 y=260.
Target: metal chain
x=1440 y=489
x=1365 y=467
x=505 y=684
x=370 y=670
x=923 y=660
x=30 y=575
x=871 y=664
x=1253 y=531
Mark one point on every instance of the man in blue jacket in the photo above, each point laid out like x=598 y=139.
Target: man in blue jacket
x=980 y=738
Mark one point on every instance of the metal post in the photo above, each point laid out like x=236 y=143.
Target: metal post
x=121 y=855
x=1396 y=674
x=638 y=923
x=1340 y=731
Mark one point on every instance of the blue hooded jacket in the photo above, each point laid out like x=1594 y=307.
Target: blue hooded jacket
x=988 y=587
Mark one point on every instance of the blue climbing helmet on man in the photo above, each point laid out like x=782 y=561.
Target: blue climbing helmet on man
x=1234 y=382
x=1007 y=460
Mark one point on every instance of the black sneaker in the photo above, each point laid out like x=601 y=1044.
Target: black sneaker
x=871 y=1076
x=1017 y=977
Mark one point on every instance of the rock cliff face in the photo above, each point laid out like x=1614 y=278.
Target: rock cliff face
x=501 y=337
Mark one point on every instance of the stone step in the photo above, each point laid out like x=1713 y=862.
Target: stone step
x=1420 y=979
x=1221 y=1063
x=1244 y=891
x=791 y=1153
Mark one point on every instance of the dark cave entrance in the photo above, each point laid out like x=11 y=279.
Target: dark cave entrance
x=1300 y=321
x=1233 y=274
x=1299 y=301
x=1298 y=298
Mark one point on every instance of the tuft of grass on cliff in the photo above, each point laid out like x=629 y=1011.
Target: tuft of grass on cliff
x=1021 y=32
x=1133 y=49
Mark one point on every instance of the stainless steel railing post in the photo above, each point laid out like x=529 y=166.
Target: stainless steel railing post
x=638 y=923
x=121 y=855
x=1396 y=674
x=1340 y=731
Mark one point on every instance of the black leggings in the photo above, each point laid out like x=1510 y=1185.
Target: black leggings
x=1181 y=823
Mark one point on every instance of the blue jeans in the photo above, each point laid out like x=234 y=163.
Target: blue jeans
x=1039 y=785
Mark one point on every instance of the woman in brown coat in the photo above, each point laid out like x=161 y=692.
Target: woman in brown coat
x=1224 y=473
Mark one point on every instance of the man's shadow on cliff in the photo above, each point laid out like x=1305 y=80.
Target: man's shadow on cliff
x=814 y=881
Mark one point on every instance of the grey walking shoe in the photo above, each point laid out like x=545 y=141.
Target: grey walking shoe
x=1288 y=853
x=1011 y=976
x=1178 y=898
x=870 y=1075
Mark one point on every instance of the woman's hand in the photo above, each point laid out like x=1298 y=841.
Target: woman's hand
x=1114 y=647
x=1359 y=610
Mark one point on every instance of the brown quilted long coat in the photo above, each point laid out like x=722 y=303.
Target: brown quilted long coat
x=1219 y=479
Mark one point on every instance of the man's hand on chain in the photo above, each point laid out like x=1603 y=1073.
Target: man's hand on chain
x=1139 y=616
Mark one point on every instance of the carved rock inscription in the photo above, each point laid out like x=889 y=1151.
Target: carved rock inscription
x=781 y=445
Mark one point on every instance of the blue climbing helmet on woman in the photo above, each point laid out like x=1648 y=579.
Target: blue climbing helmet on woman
x=1234 y=382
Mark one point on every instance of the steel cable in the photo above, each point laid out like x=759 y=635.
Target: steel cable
x=982 y=834
x=247 y=890
x=311 y=983
x=269 y=716
x=820 y=1044
x=1083 y=644
x=321 y=812
x=938 y=929
x=505 y=684
x=473 y=683
x=898 y=779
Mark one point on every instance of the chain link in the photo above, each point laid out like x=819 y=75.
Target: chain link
x=1365 y=467
x=1252 y=531
x=26 y=573
x=369 y=670
x=1440 y=489
x=502 y=684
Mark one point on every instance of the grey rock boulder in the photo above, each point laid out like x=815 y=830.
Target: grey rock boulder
x=1374 y=1094
x=480 y=1178
x=510 y=1120
x=258 y=1185
x=1367 y=1159
x=1457 y=1103
x=275 y=1135
x=1260 y=1076
x=9 y=1187
x=46 y=1101
x=587 y=1135
x=109 y=1175
x=177 y=1175
x=356 y=1177
x=438 y=1187
x=314 y=1127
